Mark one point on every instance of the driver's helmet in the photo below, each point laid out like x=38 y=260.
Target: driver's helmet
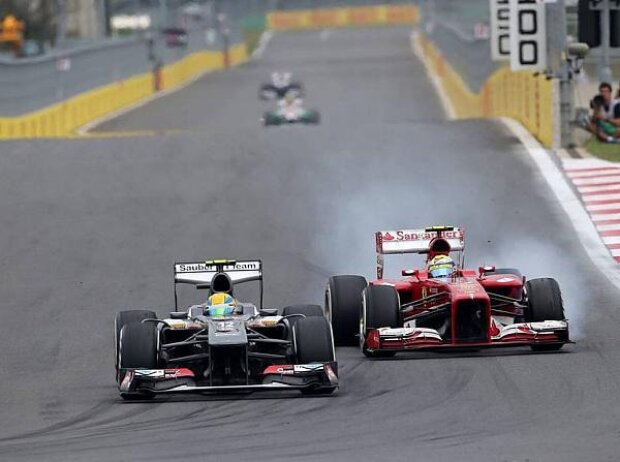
x=221 y=304
x=441 y=266
x=290 y=97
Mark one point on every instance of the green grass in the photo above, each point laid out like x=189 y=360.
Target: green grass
x=603 y=150
x=251 y=38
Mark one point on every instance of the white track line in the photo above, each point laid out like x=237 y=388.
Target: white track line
x=84 y=129
x=579 y=218
x=605 y=216
x=587 y=190
x=615 y=227
x=601 y=197
x=592 y=173
x=446 y=104
x=262 y=44
x=603 y=207
x=554 y=176
x=596 y=180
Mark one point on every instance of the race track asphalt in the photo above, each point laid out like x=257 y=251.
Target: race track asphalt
x=92 y=226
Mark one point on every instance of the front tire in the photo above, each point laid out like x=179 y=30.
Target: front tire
x=137 y=349
x=269 y=119
x=314 y=343
x=380 y=308
x=138 y=346
x=313 y=340
x=544 y=300
x=343 y=299
x=125 y=317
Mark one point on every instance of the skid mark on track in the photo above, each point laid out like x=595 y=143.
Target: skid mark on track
x=83 y=422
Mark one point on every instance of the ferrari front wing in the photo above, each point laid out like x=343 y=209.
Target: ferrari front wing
x=419 y=338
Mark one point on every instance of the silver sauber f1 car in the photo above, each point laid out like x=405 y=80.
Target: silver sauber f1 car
x=443 y=305
x=224 y=345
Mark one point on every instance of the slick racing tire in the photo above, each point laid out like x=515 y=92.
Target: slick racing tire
x=297 y=312
x=507 y=271
x=314 y=343
x=296 y=88
x=269 y=119
x=267 y=92
x=544 y=300
x=125 y=317
x=313 y=340
x=380 y=308
x=137 y=347
x=313 y=117
x=343 y=299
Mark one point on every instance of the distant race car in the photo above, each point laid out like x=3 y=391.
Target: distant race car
x=196 y=351
x=491 y=307
x=281 y=84
x=291 y=111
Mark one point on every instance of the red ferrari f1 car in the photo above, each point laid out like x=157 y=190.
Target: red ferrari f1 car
x=490 y=307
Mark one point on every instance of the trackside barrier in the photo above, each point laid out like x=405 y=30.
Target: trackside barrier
x=62 y=119
x=343 y=17
x=523 y=96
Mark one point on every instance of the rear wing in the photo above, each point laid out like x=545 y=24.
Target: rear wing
x=201 y=273
x=420 y=241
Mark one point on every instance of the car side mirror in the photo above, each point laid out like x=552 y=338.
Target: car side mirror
x=409 y=272
x=486 y=269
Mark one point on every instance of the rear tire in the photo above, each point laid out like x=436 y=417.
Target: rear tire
x=296 y=87
x=125 y=317
x=380 y=308
x=544 y=300
x=267 y=92
x=343 y=301
x=299 y=310
x=307 y=310
x=314 y=343
x=313 y=117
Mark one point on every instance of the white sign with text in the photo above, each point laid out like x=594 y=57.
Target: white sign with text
x=528 y=43
x=500 y=30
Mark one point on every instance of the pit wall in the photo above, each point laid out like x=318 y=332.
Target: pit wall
x=63 y=119
x=529 y=98
x=343 y=17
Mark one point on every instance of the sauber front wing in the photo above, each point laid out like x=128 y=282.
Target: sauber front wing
x=314 y=376
x=418 y=338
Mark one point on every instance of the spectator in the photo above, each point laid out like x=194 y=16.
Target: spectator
x=605 y=118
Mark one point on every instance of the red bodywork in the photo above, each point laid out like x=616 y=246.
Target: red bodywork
x=469 y=309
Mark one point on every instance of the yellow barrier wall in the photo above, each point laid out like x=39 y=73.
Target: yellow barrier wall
x=343 y=17
x=62 y=119
x=520 y=95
